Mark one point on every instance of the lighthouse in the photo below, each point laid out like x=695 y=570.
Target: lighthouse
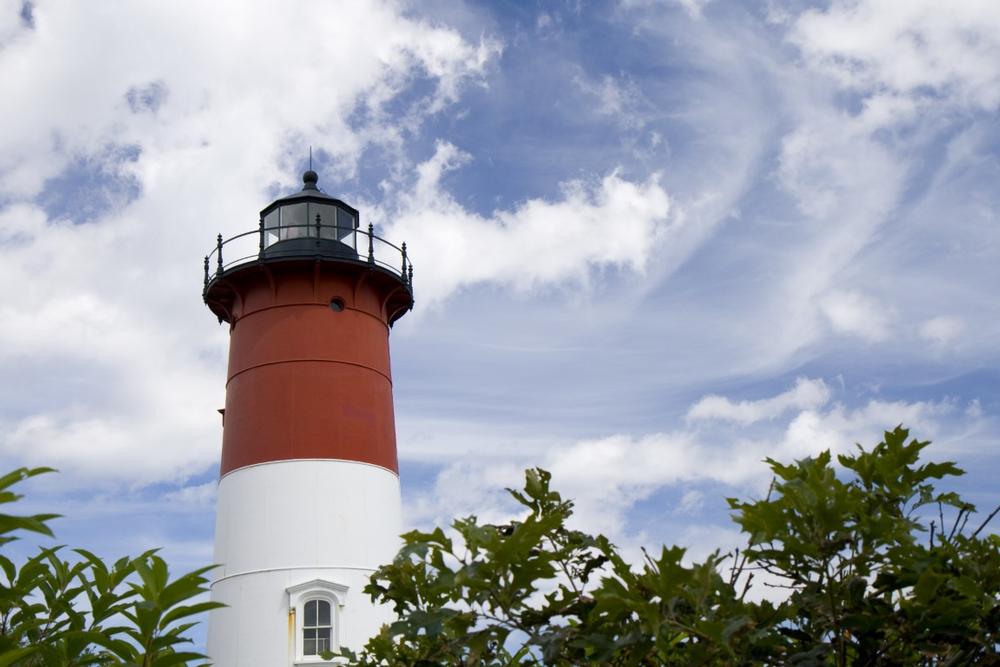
x=308 y=496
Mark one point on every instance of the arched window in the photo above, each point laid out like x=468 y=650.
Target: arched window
x=316 y=608
x=317 y=628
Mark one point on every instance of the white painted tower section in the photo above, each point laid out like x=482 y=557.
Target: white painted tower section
x=288 y=532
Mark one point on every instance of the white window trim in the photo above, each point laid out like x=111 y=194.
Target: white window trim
x=317 y=589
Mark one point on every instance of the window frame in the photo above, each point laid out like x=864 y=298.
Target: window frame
x=298 y=596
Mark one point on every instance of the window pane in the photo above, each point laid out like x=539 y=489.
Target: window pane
x=324 y=612
x=328 y=219
x=271 y=220
x=309 y=647
x=310 y=616
x=293 y=222
x=271 y=227
x=345 y=222
x=323 y=640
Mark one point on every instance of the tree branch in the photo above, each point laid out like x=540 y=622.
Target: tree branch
x=988 y=519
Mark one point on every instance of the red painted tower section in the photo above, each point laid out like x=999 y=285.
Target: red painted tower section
x=309 y=374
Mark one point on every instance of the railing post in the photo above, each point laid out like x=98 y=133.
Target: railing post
x=409 y=280
x=317 y=229
x=262 y=234
x=371 y=243
x=206 y=270
x=218 y=249
x=404 y=261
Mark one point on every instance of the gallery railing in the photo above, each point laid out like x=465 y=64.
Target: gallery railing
x=262 y=244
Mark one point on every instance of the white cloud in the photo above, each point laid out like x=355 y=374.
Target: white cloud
x=21 y=223
x=692 y=7
x=915 y=49
x=614 y=223
x=855 y=314
x=838 y=429
x=199 y=496
x=876 y=84
x=223 y=84
x=12 y=25
x=614 y=98
x=692 y=501
x=846 y=183
x=942 y=330
x=806 y=394
x=119 y=366
x=607 y=477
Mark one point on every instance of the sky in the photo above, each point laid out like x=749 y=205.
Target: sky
x=654 y=242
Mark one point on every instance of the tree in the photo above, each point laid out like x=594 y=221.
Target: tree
x=82 y=611
x=872 y=566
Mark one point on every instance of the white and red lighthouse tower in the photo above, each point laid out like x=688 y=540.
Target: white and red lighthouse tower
x=308 y=501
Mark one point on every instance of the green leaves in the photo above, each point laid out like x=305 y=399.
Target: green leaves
x=462 y=597
x=858 y=586
x=81 y=611
x=157 y=604
x=536 y=592
x=37 y=523
x=862 y=588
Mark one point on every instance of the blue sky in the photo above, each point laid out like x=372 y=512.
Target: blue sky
x=654 y=242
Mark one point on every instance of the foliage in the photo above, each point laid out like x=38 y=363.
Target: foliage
x=81 y=611
x=858 y=571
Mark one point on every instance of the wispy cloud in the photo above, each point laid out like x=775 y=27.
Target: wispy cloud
x=609 y=476
x=917 y=51
x=806 y=394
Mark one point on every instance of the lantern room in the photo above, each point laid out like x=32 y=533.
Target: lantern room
x=308 y=221
x=310 y=227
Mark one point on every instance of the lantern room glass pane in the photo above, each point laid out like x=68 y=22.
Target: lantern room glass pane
x=345 y=223
x=271 y=227
x=294 y=224
x=328 y=219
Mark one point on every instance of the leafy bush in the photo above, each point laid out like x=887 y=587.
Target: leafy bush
x=869 y=571
x=81 y=611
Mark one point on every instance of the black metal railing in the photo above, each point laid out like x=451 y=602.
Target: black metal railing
x=253 y=246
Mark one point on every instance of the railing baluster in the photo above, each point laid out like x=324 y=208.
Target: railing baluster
x=218 y=248
x=262 y=234
x=404 y=261
x=371 y=243
x=409 y=280
x=206 y=270
x=317 y=229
